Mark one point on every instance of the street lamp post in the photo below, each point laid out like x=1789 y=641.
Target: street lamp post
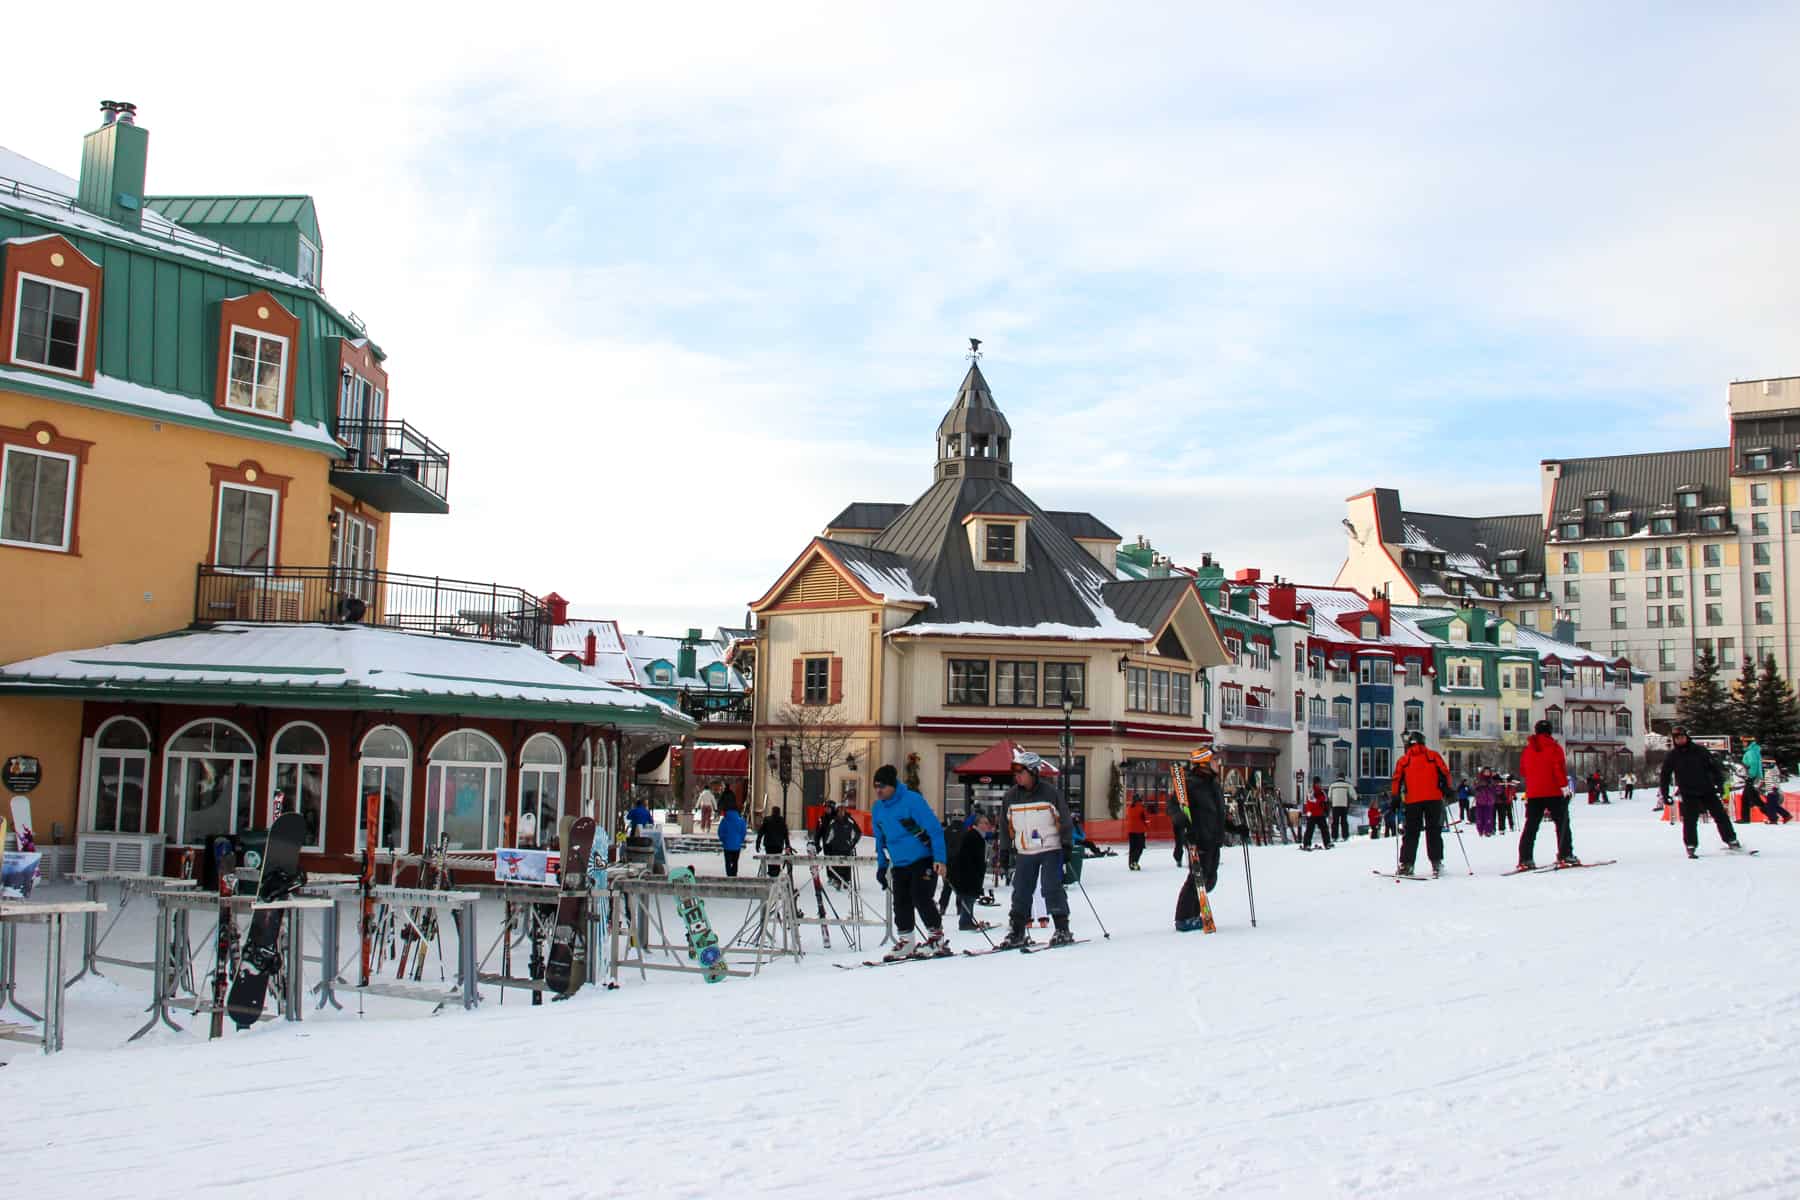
x=1068 y=741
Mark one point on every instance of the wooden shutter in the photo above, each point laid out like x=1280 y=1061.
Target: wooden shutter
x=799 y=681
x=837 y=680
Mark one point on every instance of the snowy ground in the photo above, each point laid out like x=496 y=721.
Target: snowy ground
x=1623 y=1031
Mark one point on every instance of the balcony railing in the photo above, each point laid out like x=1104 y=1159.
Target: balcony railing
x=1594 y=691
x=1589 y=736
x=338 y=596
x=393 y=466
x=1324 y=724
x=1466 y=734
x=716 y=710
x=1254 y=717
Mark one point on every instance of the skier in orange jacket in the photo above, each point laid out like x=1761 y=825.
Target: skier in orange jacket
x=1422 y=779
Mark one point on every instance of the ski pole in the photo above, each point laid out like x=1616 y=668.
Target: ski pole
x=1092 y=909
x=1457 y=827
x=1249 y=887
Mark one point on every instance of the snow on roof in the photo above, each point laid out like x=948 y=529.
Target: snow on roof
x=158 y=231
x=360 y=665
x=1329 y=603
x=574 y=635
x=1414 y=538
x=645 y=649
x=891 y=583
x=154 y=402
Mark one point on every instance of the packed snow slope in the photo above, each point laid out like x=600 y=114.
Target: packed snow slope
x=1622 y=1031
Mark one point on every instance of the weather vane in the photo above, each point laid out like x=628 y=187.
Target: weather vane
x=974 y=349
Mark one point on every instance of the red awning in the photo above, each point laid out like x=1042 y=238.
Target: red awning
x=721 y=760
x=996 y=761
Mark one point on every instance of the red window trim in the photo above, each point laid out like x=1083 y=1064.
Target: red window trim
x=249 y=312
x=76 y=270
x=41 y=435
x=248 y=473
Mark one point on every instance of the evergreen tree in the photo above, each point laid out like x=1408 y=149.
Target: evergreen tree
x=1741 y=712
x=1776 y=720
x=1705 y=706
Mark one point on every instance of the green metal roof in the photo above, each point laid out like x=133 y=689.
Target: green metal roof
x=197 y=211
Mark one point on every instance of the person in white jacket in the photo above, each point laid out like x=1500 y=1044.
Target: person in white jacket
x=1341 y=795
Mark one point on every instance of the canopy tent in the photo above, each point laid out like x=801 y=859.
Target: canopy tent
x=713 y=762
x=996 y=762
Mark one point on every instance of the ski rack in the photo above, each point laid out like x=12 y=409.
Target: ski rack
x=93 y=938
x=459 y=904
x=52 y=913
x=176 y=957
x=639 y=914
x=858 y=917
x=523 y=904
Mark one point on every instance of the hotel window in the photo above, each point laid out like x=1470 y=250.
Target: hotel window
x=1765 y=613
x=1571 y=530
x=1383 y=761
x=1064 y=679
x=1234 y=649
x=1677 y=586
x=1615 y=560
x=245 y=536
x=1759 y=554
x=1622 y=722
x=1665 y=692
x=1619 y=649
x=1015 y=684
x=1618 y=617
x=1677 y=616
x=1712 y=555
x=815 y=681
x=1159 y=691
x=1571 y=589
x=353 y=557
x=1616 y=589
x=1259 y=655
x=1687 y=499
x=1763 y=583
x=1662 y=524
x=1711 y=584
x=1765 y=650
x=1528 y=618
x=968 y=680
x=1674 y=557
x=1756 y=462
x=1365 y=715
x=1712 y=522
x=1615 y=529
x=1794 y=521
x=1596 y=505
x=1727 y=649
x=1231 y=703
x=37 y=498
x=1181 y=694
x=1509 y=566
x=1715 y=614
x=1384 y=716
x=1759 y=495
x=1000 y=543
x=258 y=372
x=1571 y=563
x=1414 y=716
x=1665 y=654
x=1377 y=671
x=51 y=322
x=1653 y=558
x=1137 y=689
x=1653 y=616
x=307 y=262
x=1340 y=712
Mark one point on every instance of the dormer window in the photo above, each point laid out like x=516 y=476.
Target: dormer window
x=1662 y=524
x=1571 y=529
x=1689 y=498
x=662 y=673
x=307 y=262
x=1596 y=505
x=49 y=307
x=51 y=319
x=1757 y=462
x=1509 y=566
x=1712 y=522
x=1371 y=629
x=1615 y=529
x=1000 y=542
x=258 y=372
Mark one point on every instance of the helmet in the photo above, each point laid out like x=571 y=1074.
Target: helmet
x=1023 y=758
x=1415 y=738
x=1202 y=757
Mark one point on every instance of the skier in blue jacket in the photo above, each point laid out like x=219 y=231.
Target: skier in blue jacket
x=732 y=831
x=909 y=846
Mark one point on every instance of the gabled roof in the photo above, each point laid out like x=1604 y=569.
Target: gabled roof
x=1083 y=526
x=193 y=211
x=1146 y=602
x=645 y=650
x=869 y=515
x=881 y=571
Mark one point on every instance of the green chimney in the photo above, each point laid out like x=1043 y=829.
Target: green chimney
x=112 y=166
x=684 y=667
x=1209 y=579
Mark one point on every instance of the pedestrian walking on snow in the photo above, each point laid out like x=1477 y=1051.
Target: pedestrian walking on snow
x=1178 y=823
x=1505 y=788
x=1547 y=791
x=1137 y=830
x=1036 y=816
x=838 y=838
x=1698 y=776
x=1487 y=798
x=1464 y=794
x=1340 y=793
x=909 y=860
x=732 y=831
x=1422 y=781
x=772 y=838
x=968 y=869
x=1318 y=809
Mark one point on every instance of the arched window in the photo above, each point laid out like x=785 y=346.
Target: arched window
x=121 y=777
x=588 y=780
x=386 y=772
x=606 y=787
x=300 y=767
x=209 y=773
x=463 y=791
x=540 y=790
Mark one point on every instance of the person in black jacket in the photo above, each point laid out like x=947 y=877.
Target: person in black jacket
x=1207 y=826
x=1699 y=777
x=837 y=837
x=772 y=838
x=968 y=870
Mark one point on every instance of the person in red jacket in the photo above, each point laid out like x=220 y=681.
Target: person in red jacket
x=1546 y=791
x=1318 y=812
x=1422 y=779
x=1137 y=829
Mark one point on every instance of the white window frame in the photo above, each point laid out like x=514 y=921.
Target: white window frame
x=366 y=761
x=178 y=759
x=81 y=346
x=311 y=277
x=544 y=773
x=489 y=837
x=68 y=526
x=91 y=817
x=353 y=558
x=281 y=396
x=278 y=760
x=274 y=527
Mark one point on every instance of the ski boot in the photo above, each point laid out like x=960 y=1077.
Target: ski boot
x=1525 y=864
x=935 y=945
x=1737 y=846
x=1693 y=853
x=1062 y=936
x=904 y=947
x=1437 y=869
x=1015 y=936
x=1569 y=861
x=1403 y=870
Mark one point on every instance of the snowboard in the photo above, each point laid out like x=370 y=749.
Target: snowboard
x=703 y=943
x=566 y=969
x=21 y=815
x=223 y=857
x=281 y=876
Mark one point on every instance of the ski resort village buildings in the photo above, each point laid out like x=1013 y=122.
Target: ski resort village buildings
x=1650 y=558
x=202 y=460
x=920 y=634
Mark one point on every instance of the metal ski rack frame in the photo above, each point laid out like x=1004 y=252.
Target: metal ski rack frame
x=179 y=959
x=639 y=914
x=522 y=904
x=461 y=907
x=52 y=913
x=858 y=917
x=93 y=938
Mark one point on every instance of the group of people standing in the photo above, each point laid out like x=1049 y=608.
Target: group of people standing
x=1489 y=801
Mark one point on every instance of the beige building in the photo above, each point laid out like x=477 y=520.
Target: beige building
x=921 y=634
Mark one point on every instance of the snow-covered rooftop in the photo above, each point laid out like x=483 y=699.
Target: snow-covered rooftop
x=888 y=582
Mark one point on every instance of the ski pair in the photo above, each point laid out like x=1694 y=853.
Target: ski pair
x=1398 y=877
x=1573 y=866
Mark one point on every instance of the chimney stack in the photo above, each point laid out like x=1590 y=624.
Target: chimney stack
x=113 y=160
x=1284 y=600
x=590 y=649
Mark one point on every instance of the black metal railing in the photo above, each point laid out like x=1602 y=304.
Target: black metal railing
x=716 y=710
x=396 y=448
x=344 y=596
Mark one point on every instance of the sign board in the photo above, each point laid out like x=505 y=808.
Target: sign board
x=525 y=866
x=22 y=773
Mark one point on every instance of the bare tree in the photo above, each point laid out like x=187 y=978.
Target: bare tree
x=818 y=734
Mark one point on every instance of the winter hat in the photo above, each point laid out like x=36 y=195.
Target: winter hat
x=886 y=776
x=1027 y=760
x=1542 y=727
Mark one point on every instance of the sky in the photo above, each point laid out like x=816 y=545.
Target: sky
x=672 y=289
